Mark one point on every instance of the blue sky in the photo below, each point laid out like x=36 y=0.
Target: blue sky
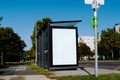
x=21 y=15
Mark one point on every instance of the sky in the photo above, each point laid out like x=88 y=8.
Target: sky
x=22 y=15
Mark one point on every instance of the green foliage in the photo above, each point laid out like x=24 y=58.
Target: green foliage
x=109 y=77
x=36 y=68
x=31 y=54
x=110 y=42
x=77 y=78
x=11 y=44
x=40 y=70
x=84 y=50
x=103 y=51
x=90 y=77
x=38 y=25
x=47 y=19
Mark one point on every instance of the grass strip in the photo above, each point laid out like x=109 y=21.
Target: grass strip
x=40 y=70
x=90 y=77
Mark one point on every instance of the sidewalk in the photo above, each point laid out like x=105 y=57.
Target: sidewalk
x=79 y=72
x=83 y=71
x=20 y=72
x=24 y=77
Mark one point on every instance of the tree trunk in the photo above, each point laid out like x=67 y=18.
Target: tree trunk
x=112 y=54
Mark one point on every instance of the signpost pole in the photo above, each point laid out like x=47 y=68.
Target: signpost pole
x=95 y=7
x=96 y=46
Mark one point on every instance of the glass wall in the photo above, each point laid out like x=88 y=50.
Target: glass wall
x=45 y=49
x=42 y=49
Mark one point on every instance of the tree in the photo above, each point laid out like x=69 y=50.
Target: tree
x=31 y=54
x=11 y=44
x=103 y=52
x=84 y=50
x=38 y=25
x=110 y=40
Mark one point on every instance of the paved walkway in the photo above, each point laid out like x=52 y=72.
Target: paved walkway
x=21 y=72
x=17 y=70
x=83 y=71
x=24 y=77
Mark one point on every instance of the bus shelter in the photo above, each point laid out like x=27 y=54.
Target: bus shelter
x=57 y=44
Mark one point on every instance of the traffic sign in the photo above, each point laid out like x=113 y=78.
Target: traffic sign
x=100 y=2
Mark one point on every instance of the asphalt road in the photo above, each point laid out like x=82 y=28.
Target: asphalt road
x=108 y=64
x=18 y=69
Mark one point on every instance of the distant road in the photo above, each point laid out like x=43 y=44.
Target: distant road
x=105 y=64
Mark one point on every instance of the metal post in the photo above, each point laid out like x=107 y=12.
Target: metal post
x=96 y=48
x=95 y=5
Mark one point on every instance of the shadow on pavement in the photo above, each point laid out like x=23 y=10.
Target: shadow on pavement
x=83 y=68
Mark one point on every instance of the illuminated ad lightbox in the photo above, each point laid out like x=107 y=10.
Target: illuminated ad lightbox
x=64 y=46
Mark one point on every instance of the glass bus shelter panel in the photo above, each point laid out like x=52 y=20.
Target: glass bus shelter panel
x=40 y=50
x=45 y=54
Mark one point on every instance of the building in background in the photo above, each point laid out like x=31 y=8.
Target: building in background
x=88 y=40
x=117 y=28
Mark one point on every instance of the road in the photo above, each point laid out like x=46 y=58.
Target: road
x=108 y=64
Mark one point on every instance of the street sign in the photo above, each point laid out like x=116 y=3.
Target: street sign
x=93 y=22
x=100 y=2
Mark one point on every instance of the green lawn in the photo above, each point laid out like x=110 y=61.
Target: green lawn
x=40 y=70
x=100 y=77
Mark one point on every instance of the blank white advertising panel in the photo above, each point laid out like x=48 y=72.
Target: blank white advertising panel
x=64 y=46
